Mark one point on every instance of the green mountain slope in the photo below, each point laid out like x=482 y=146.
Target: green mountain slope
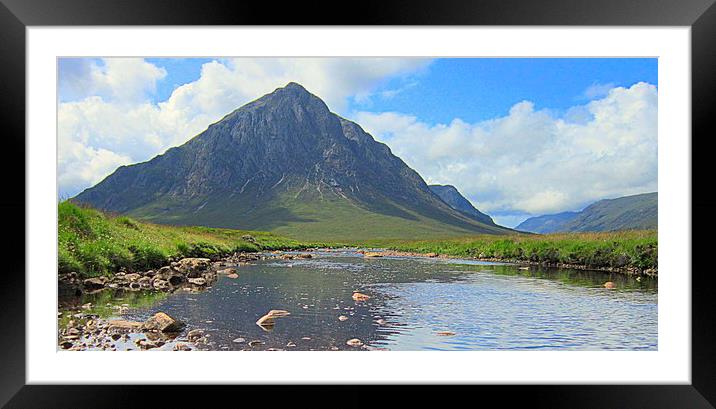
x=284 y=163
x=635 y=212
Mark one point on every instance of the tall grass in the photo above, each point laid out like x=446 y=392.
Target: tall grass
x=94 y=243
x=623 y=249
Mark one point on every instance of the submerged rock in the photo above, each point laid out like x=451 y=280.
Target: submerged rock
x=267 y=321
x=360 y=296
x=445 y=333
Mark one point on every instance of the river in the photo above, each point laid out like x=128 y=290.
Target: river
x=415 y=304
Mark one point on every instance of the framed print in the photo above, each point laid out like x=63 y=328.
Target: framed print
x=446 y=194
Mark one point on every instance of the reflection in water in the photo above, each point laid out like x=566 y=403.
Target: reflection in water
x=414 y=304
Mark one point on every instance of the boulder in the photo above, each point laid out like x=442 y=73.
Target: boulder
x=192 y=267
x=431 y=255
x=610 y=285
x=94 y=283
x=145 y=282
x=372 y=254
x=360 y=296
x=124 y=325
x=162 y=322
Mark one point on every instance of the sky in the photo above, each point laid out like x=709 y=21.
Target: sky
x=518 y=137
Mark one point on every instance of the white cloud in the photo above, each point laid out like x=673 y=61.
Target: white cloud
x=530 y=161
x=598 y=90
x=106 y=118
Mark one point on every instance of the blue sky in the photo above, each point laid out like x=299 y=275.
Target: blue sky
x=518 y=137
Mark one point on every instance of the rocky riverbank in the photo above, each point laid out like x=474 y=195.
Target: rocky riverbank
x=629 y=270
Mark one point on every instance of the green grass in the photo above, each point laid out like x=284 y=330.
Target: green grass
x=623 y=249
x=93 y=243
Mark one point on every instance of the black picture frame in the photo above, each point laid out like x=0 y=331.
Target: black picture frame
x=16 y=15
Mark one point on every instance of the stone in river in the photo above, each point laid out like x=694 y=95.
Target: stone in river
x=372 y=254
x=355 y=342
x=164 y=323
x=342 y=318
x=267 y=321
x=197 y=281
x=239 y=340
x=182 y=347
x=360 y=296
x=233 y=275
x=445 y=333
x=610 y=285
x=194 y=334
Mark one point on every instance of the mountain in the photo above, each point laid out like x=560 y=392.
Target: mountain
x=635 y=212
x=549 y=223
x=284 y=163
x=450 y=195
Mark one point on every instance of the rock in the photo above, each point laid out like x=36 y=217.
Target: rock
x=304 y=255
x=610 y=285
x=290 y=344
x=116 y=337
x=372 y=254
x=267 y=321
x=132 y=277
x=380 y=321
x=355 y=342
x=431 y=255
x=124 y=325
x=65 y=344
x=144 y=282
x=233 y=275
x=445 y=333
x=73 y=331
x=239 y=340
x=287 y=257
x=197 y=281
x=254 y=343
x=182 y=347
x=524 y=268
x=638 y=279
x=226 y=271
x=164 y=323
x=360 y=296
x=94 y=283
x=195 y=334
x=193 y=267
x=149 y=273
x=342 y=318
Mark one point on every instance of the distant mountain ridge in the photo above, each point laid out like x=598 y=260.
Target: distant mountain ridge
x=450 y=195
x=284 y=163
x=635 y=212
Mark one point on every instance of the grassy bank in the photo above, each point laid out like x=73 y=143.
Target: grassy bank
x=93 y=243
x=608 y=250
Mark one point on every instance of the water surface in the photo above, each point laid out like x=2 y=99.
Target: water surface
x=487 y=306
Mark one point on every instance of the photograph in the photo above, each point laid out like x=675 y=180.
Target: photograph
x=223 y=203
